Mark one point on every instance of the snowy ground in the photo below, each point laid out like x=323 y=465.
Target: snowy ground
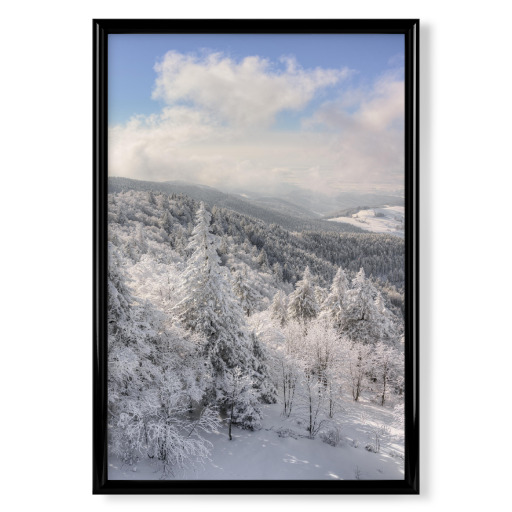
x=388 y=219
x=279 y=451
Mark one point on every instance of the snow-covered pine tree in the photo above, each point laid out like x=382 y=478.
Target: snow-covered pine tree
x=224 y=250
x=210 y=307
x=166 y=222
x=164 y=202
x=277 y=270
x=361 y=320
x=302 y=304
x=279 y=308
x=142 y=244
x=149 y=386
x=261 y=375
x=240 y=400
x=335 y=303
x=320 y=296
x=247 y=296
x=127 y=338
x=388 y=325
x=262 y=259
x=118 y=294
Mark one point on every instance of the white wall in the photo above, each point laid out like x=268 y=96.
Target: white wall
x=46 y=257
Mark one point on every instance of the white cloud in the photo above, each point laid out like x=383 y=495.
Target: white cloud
x=367 y=127
x=385 y=105
x=215 y=128
x=246 y=93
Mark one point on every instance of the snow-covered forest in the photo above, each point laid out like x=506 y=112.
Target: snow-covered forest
x=239 y=348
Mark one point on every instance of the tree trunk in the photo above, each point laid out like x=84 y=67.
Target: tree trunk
x=231 y=419
x=383 y=391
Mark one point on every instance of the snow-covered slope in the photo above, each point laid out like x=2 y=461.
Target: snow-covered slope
x=281 y=450
x=387 y=219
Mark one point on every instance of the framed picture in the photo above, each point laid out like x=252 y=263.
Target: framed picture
x=256 y=256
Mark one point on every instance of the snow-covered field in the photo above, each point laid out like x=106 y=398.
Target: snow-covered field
x=388 y=220
x=281 y=450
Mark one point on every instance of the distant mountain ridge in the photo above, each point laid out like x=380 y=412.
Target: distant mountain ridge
x=322 y=204
x=285 y=207
x=288 y=215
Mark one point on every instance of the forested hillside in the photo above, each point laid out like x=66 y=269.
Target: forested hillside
x=218 y=320
x=285 y=214
x=380 y=255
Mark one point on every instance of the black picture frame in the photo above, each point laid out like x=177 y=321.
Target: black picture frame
x=101 y=30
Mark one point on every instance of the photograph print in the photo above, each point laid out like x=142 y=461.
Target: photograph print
x=255 y=275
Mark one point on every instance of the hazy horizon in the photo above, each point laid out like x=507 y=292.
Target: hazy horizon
x=285 y=188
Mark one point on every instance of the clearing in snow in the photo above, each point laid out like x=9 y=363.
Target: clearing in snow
x=388 y=220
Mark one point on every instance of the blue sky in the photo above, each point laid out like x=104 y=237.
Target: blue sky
x=132 y=59
x=259 y=112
